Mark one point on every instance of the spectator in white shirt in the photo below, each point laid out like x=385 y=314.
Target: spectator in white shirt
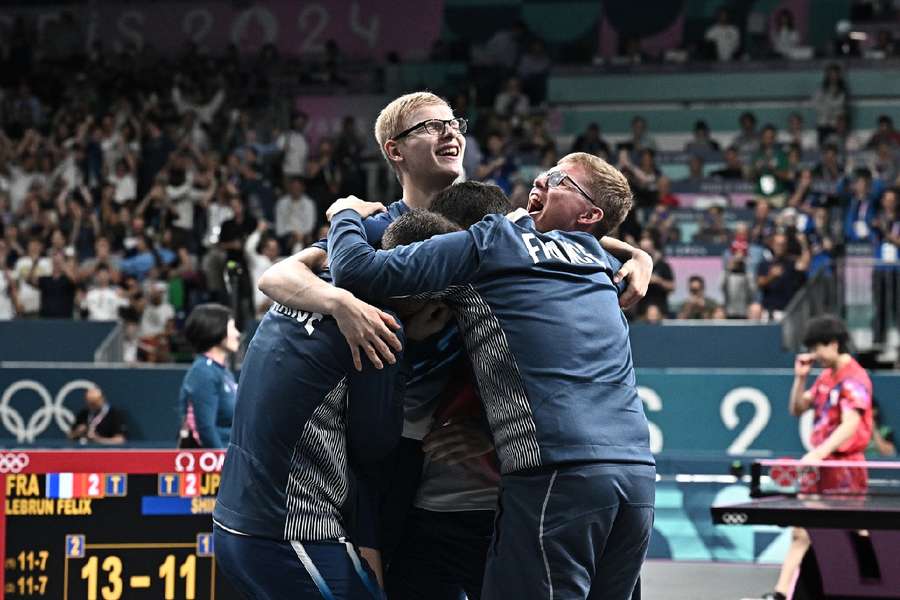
x=218 y=211
x=785 y=38
x=295 y=216
x=103 y=301
x=795 y=134
x=725 y=37
x=29 y=295
x=156 y=312
x=124 y=182
x=21 y=176
x=178 y=194
x=9 y=299
x=262 y=251
x=294 y=148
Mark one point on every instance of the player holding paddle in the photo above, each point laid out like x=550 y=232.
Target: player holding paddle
x=841 y=397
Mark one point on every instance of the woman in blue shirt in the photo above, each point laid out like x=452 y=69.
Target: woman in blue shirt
x=207 y=393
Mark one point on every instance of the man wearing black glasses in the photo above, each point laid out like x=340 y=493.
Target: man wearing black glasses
x=423 y=143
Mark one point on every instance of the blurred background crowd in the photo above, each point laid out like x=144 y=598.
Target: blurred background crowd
x=135 y=184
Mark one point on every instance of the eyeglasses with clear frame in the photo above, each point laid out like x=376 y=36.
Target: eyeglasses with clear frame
x=436 y=127
x=557 y=176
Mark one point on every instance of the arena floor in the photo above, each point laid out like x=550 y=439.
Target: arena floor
x=669 y=580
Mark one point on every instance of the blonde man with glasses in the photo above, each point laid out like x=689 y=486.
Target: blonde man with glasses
x=423 y=142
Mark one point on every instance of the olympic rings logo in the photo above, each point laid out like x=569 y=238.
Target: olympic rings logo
x=730 y=518
x=12 y=462
x=52 y=409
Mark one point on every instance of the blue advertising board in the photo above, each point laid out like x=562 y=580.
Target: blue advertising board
x=38 y=405
x=739 y=411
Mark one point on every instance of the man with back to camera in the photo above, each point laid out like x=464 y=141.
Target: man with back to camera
x=303 y=417
x=566 y=419
x=423 y=143
x=841 y=397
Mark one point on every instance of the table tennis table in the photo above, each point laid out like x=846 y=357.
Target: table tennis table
x=855 y=538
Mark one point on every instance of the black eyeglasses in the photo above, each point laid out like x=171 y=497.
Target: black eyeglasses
x=557 y=176
x=436 y=127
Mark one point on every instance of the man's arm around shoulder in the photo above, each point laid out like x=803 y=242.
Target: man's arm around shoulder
x=422 y=267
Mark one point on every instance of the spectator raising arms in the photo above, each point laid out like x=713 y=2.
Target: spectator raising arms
x=262 y=251
x=103 y=301
x=781 y=276
x=662 y=281
x=737 y=286
x=58 y=288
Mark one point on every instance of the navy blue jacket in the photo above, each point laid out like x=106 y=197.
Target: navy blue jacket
x=304 y=418
x=540 y=318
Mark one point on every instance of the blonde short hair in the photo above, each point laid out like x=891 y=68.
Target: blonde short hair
x=607 y=186
x=393 y=118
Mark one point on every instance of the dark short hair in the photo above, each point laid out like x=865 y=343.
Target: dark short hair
x=862 y=173
x=207 y=325
x=468 y=202
x=415 y=226
x=694 y=278
x=825 y=329
x=885 y=119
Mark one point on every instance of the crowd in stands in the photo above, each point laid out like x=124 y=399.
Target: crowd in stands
x=134 y=186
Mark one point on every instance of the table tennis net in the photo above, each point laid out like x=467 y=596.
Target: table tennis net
x=827 y=478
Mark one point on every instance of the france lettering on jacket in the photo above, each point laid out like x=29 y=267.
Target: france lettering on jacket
x=301 y=316
x=566 y=251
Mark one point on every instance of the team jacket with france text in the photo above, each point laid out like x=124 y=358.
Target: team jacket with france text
x=540 y=319
x=304 y=417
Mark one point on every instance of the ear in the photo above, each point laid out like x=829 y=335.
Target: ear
x=392 y=149
x=591 y=217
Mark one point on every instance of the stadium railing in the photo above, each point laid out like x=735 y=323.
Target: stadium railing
x=820 y=295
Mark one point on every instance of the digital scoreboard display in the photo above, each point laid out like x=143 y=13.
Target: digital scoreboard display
x=111 y=524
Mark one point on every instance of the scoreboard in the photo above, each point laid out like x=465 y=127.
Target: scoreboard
x=110 y=524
